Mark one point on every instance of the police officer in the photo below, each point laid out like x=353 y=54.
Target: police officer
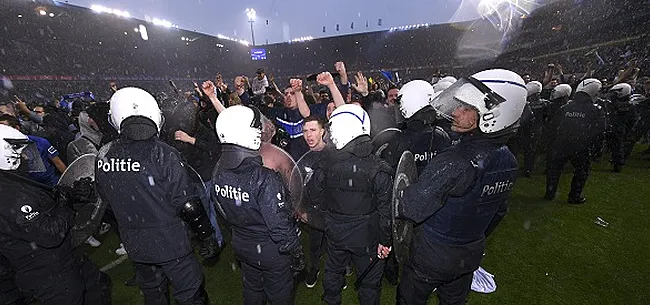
x=575 y=135
x=532 y=131
x=149 y=189
x=622 y=121
x=34 y=233
x=559 y=96
x=419 y=135
x=254 y=201
x=355 y=188
x=461 y=195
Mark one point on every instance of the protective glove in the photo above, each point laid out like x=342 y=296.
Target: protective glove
x=84 y=191
x=209 y=248
x=298 y=261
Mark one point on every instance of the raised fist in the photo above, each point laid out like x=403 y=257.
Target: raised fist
x=296 y=85
x=325 y=78
x=208 y=88
x=340 y=67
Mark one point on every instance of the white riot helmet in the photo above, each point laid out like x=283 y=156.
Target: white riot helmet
x=498 y=95
x=590 y=86
x=240 y=125
x=414 y=96
x=128 y=102
x=534 y=87
x=15 y=149
x=560 y=91
x=440 y=86
x=621 y=90
x=347 y=123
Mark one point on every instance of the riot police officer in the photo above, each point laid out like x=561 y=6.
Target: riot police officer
x=559 y=96
x=622 y=120
x=354 y=187
x=575 y=135
x=419 y=135
x=253 y=199
x=532 y=131
x=155 y=202
x=461 y=195
x=34 y=232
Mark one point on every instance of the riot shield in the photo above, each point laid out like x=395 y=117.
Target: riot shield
x=309 y=213
x=179 y=115
x=383 y=140
x=405 y=175
x=88 y=216
x=280 y=161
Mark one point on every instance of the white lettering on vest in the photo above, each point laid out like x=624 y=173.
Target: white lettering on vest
x=230 y=192
x=497 y=188
x=575 y=115
x=424 y=157
x=118 y=165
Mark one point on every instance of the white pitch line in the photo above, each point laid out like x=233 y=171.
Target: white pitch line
x=114 y=263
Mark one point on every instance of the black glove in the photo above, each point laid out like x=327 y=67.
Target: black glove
x=64 y=195
x=84 y=191
x=209 y=248
x=298 y=261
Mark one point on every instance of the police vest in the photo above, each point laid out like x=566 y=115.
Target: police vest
x=349 y=183
x=464 y=219
x=427 y=144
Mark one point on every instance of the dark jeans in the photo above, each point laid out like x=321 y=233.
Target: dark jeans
x=338 y=258
x=185 y=276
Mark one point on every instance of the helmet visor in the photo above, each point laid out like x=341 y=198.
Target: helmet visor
x=466 y=92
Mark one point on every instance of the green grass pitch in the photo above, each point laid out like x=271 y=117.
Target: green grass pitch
x=541 y=253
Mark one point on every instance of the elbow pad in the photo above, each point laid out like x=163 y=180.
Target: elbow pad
x=194 y=214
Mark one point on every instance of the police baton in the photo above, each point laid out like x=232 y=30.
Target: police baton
x=363 y=275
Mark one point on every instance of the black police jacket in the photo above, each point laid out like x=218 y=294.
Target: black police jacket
x=459 y=199
x=253 y=199
x=146 y=184
x=355 y=188
x=578 y=125
x=33 y=228
x=419 y=137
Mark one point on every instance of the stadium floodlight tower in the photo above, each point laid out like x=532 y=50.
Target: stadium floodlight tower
x=251 y=19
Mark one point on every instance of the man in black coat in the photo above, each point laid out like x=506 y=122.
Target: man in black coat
x=155 y=202
x=355 y=188
x=254 y=200
x=576 y=135
x=35 y=223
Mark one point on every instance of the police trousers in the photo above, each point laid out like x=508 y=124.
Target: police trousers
x=79 y=282
x=266 y=274
x=317 y=247
x=555 y=165
x=185 y=276
x=338 y=258
x=416 y=287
